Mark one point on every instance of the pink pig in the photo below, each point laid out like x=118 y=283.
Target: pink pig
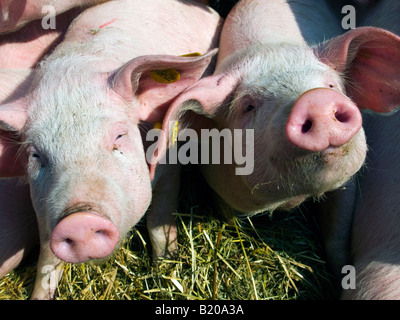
x=361 y=223
x=18 y=226
x=16 y=14
x=25 y=47
x=20 y=49
x=300 y=96
x=31 y=29
x=82 y=124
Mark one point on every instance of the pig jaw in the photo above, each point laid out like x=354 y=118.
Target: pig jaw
x=272 y=79
x=86 y=212
x=92 y=156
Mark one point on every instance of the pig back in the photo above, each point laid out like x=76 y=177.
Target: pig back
x=119 y=31
x=376 y=220
x=276 y=21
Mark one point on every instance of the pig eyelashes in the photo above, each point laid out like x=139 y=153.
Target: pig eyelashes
x=35 y=156
x=120 y=135
x=117 y=143
x=249 y=108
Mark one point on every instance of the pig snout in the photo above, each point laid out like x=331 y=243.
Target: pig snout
x=83 y=236
x=321 y=118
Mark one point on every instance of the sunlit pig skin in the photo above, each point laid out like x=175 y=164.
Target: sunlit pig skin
x=81 y=126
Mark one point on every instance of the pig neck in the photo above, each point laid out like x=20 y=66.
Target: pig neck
x=273 y=22
x=119 y=32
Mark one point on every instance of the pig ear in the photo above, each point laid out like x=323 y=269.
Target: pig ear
x=155 y=80
x=13 y=117
x=369 y=59
x=208 y=94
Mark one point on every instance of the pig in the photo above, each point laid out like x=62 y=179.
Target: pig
x=16 y=14
x=81 y=125
x=20 y=50
x=24 y=48
x=18 y=226
x=31 y=29
x=360 y=223
x=300 y=97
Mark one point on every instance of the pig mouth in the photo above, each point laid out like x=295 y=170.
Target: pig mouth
x=82 y=207
x=290 y=162
x=307 y=158
x=77 y=207
x=311 y=174
x=293 y=203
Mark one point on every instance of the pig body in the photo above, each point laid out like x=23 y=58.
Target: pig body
x=16 y=14
x=299 y=96
x=375 y=240
x=18 y=226
x=25 y=47
x=20 y=50
x=361 y=222
x=90 y=103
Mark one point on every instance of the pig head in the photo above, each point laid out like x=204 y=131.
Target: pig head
x=80 y=146
x=16 y=14
x=302 y=103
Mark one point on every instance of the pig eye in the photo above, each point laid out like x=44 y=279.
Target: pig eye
x=249 y=108
x=121 y=135
x=33 y=153
x=36 y=156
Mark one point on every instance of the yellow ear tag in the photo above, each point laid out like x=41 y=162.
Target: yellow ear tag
x=193 y=54
x=157 y=125
x=165 y=75
x=175 y=133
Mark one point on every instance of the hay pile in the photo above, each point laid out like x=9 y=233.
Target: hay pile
x=278 y=257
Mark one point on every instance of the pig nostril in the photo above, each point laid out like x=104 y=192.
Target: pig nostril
x=306 y=126
x=342 y=116
x=68 y=241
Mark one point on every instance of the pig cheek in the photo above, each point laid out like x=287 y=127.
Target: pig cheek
x=39 y=182
x=345 y=162
x=134 y=174
x=136 y=194
x=260 y=180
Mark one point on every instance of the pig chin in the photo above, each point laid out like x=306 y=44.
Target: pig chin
x=288 y=181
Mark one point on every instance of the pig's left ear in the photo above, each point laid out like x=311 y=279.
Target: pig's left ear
x=155 y=80
x=205 y=99
x=369 y=60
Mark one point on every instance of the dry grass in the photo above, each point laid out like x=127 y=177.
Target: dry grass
x=259 y=258
x=262 y=258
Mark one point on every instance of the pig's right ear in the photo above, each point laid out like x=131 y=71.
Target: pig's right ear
x=200 y=105
x=197 y=107
x=369 y=60
x=155 y=80
x=13 y=117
